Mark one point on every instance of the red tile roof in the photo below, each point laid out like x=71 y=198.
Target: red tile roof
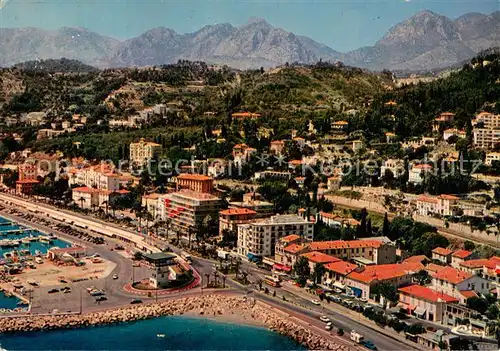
x=434 y=267
x=442 y=251
x=428 y=199
x=461 y=254
x=452 y=275
x=341 y=244
x=319 y=257
x=341 y=267
x=294 y=248
x=424 y=293
x=385 y=272
x=468 y=293
x=27 y=181
x=245 y=114
x=291 y=237
x=238 y=211
x=490 y=263
x=423 y=166
x=187 y=176
x=419 y=259
x=448 y=197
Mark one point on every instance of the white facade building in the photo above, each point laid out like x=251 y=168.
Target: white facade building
x=259 y=238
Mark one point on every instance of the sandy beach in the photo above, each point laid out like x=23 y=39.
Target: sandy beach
x=235 y=309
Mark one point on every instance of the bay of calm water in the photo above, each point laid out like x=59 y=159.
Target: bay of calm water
x=10 y=302
x=181 y=333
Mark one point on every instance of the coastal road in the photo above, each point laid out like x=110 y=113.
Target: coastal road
x=44 y=302
x=302 y=306
x=339 y=321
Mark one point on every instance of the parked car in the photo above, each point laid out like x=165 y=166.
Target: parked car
x=324 y=319
x=115 y=276
x=328 y=327
x=368 y=344
x=315 y=302
x=52 y=291
x=135 y=301
x=100 y=298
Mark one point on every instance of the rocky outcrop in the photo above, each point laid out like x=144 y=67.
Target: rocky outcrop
x=202 y=305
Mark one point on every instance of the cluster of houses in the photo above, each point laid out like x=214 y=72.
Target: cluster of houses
x=358 y=266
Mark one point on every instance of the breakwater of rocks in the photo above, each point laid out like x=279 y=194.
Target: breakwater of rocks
x=235 y=308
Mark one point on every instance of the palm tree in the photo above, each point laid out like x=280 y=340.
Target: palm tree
x=190 y=233
x=106 y=203
x=82 y=200
x=168 y=223
x=216 y=274
x=245 y=275
x=207 y=275
x=237 y=266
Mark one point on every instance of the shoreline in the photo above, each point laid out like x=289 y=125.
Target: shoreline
x=229 y=309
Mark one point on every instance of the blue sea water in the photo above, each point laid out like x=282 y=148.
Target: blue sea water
x=181 y=333
x=9 y=302
x=6 y=227
x=32 y=246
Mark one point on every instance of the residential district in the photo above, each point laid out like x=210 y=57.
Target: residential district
x=372 y=224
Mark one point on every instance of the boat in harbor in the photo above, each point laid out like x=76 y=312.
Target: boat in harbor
x=45 y=239
x=9 y=243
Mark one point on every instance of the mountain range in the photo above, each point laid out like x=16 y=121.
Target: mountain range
x=425 y=41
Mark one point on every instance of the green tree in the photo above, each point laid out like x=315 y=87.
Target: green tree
x=318 y=272
x=302 y=270
x=478 y=304
x=388 y=291
x=386 y=227
x=469 y=245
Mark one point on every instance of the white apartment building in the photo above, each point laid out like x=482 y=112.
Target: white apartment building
x=486 y=138
x=448 y=133
x=487 y=119
x=91 y=198
x=98 y=177
x=186 y=209
x=490 y=157
x=455 y=282
x=486 y=130
x=143 y=151
x=395 y=165
x=443 y=205
x=258 y=239
x=417 y=173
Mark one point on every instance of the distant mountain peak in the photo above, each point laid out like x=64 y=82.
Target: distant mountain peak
x=426 y=13
x=258 y=22
x=425 y=41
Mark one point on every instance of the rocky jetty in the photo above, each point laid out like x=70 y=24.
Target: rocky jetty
x=237 y=307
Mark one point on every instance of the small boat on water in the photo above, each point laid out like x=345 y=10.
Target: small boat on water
x=8 y=243
x=160 y=335
x=45 y=239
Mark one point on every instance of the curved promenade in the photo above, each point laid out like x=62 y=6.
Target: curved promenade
x=232 y=307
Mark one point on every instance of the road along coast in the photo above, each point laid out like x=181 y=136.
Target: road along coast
x=237 y=308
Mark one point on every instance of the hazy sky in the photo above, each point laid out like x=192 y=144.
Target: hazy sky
x=341 y=24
